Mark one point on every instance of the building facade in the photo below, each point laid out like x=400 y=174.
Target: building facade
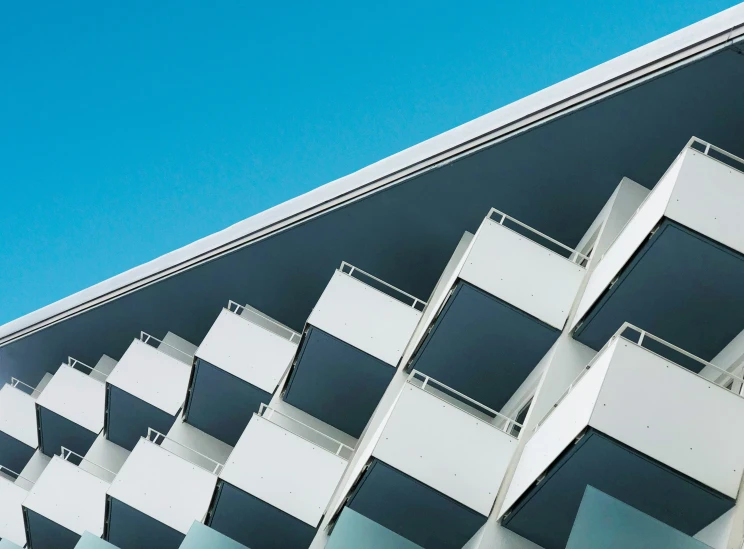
x=525 y=333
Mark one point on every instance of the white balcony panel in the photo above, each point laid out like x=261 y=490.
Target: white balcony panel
x=178 y=348
x=284 y=470
x=164 y=486
x=18 y=415
x=707 y=197
x=69 y=496
x=76 y=396
x=152 y=376
x=34 y=468
x=188 y=442
x=441 y=445
x=364 y=317
x=11 y=513
x=247 y=350
x=106 y=454
x=523 y=273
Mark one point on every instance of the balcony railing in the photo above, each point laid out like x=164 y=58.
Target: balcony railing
x=724 y=378
x=716 y=153
x=66 y=454
x=157 y=438
x=21 y=481
x=74 y=363
x=284 y=331
x=464 y=403
x=25 y=387
x=382 y=286
x=329 y=443
x=150 y=340
x=565 y=251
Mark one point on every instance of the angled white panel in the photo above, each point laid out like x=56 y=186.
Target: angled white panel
x=672 y=415
x=185 y=441
x=629 y=240
x=446 y=448
x=105 y=366
x=18 y=415
x=284 y=470
x=561 y=427
x=69 y=496
x=523 y=273
x=33 y=469
x=246 y=350
x=707 y=197
x=106 y=454
x=178 y=348
x=364 y=317
x=164 y=486
x=42 y=384
x=76 y=396
x=11 y=514
x=152 y=376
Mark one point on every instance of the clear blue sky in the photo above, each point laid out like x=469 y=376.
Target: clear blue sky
x=130 y=129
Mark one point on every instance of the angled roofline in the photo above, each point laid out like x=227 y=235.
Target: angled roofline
x=662 y=55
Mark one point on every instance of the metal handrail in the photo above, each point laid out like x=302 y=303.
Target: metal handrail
x=145 y=338
x=267 y=412
x=707 y=147
x=237 y=306
x=427 y=381
x=11 y=473
x=158 y=435
x=15 y=382
x=643 y=335
x=72 y=362
x=352 y=269
x=573 y=254
x=65 y=453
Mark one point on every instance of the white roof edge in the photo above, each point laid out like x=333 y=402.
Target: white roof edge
x=721 y=26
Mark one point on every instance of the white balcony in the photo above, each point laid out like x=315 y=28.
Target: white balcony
x=439 y=451
x=278 y=482
x=639 y=427
x=63 y=503
x=13 y=491
x=355 y=337
x=18 y=432
x=238 y=366
x=146 y=389
x=71 y=408
x=157 y=495
x=676 y=266
x=508 y=299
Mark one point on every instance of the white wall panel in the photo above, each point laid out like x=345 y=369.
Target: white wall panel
x=11 y=514
x=629 y=240
x=152 y=376
x=673 y=416
x=523 y=273
x=708 y=197
x=76 y=396
x=364 y=317
x=284 y=470
x=18 y=415
x=69 y=496
x=446 y=448
x=560 y=428
x=246 y=350
x=164 y=486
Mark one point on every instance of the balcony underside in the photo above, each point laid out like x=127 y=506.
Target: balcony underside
x=412 y=509
x=56 y=431
x=14 y=454
x=336 y=382
x=679 y=286
x=483 y=347
x=546 y=512
x=255 y=523
x=42 y=533
x=220 y=404
x=129 y=528
x=128 y=417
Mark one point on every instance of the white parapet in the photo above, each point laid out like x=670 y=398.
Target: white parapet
x=698 y=191
x=457 y=447
x=650 y=404
x=365 y=317
x=70 y=497
x=523 y=272
x=164 y=486
x=280 y=467
x=245 y=347
x=18 y=415
x=11 y=513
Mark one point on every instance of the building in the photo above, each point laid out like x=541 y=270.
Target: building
x=527 y=332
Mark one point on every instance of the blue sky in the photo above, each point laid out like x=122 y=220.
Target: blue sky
x=130 y=129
